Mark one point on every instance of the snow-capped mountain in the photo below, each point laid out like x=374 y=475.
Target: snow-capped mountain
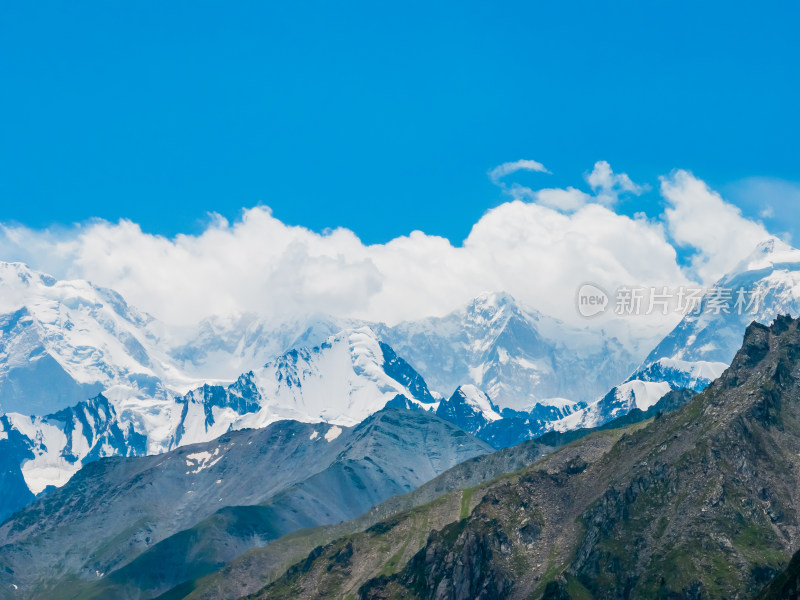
x=474 y=412
x=518 y=356
x=765 y=285
x=221 y=348
x=105 y=379
x=84 y=375
x=469 y=408
x=515 y=354
x=342 y=381
x=62 y=342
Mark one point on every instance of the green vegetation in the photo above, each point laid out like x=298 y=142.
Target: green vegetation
x=466 y=498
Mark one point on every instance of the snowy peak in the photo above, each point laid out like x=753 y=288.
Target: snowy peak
x=770 y=254
x=473 y=411
x=493 y=307
x=23 y=287
x=342 y=381
x=221 y=348
x=469 y=408
x=520 y=357
x=345 y=379
x=62 y=342
x=478 y=401
x=766 y=284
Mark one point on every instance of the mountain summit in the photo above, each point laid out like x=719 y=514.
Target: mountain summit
x=516 y=355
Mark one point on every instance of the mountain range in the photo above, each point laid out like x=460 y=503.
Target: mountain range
x=154 y=463
x=700 y=502
x=251 y=486
x=120 y=386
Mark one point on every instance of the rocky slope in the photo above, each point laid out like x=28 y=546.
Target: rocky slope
x=785 y=585
x=259 y=566
x=181 y=514
x=262 y=565
x=700 y=503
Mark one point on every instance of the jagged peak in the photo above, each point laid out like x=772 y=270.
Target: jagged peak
x=780 y=325
x=761 y=345
x=492 y=300
x=16 y=273
x=478 y=399
x=498 y=305
x=767 y=254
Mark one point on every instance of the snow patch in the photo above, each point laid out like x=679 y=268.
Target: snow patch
x=200 y=461
x=333 y=433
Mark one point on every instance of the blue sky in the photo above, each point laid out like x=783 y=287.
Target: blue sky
x=386 y=117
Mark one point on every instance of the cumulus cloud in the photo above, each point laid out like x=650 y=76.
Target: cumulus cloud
x=260 y=265
x=608 y=185
x=539 y=250
x=500 y=171
x=562 y=199
x=697 y=217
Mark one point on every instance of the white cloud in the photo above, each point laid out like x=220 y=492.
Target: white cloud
x=500 y=171
x=566 y=200
x=608 y=185
x=698 y=217
x=261 y=265
x=540 y=252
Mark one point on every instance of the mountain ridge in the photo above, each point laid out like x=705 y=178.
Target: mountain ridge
x=128 y=511
x=699 y=502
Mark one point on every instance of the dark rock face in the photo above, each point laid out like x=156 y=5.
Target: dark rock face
x=399 y=370
x=461 y=571
x=785 y=585
x=14 y=449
